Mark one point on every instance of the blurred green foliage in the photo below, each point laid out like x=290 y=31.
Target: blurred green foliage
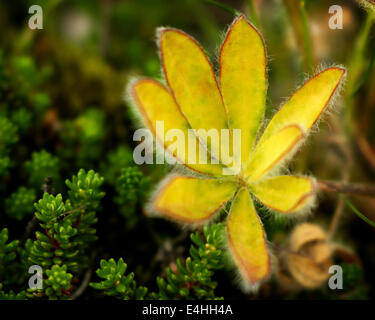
x=20 y=203
x=42 y=165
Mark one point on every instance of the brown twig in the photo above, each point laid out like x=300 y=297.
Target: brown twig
x=346 y=156
x=336 y=218
x=33 y=223
x=86 y=278
x=85 y=282
x=348 y=188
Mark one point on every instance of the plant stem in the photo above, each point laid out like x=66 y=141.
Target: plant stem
x=358 y=213
x=85 y=282
x=346 y=157
x=30 y=227
x=356 y=64
x=348 y=188
x=365 y=76
x=252 y=13
x=309 y=60
x=298 y=19
x=356 y=67
x=223 y=6
x=336 y=217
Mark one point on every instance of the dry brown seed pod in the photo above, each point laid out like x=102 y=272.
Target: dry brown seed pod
x=309 y=256
x=306 y=233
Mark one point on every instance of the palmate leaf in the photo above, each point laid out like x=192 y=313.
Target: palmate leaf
x=194 y=100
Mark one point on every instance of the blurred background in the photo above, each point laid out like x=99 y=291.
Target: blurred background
x=62 y=96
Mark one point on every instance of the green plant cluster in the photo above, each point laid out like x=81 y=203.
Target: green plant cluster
x=63 y=223
x=118 y=159
x=116 y=283
x=68 y=229
x=11 y=295
x=58 y=282
x=83 y=138
x=131 y=188
x=19 y=82
x=8 y=134
x=41 y=165
x=8 y=253
x=192 y=279
x=20 y=203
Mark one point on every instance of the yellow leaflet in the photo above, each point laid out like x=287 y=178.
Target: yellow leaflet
x=243 y=81
x=192 y=200
x=284 y=193
x=192 y=80
x=247 y=240
x=307 y=103
x=269 y=153
x=156 y=104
